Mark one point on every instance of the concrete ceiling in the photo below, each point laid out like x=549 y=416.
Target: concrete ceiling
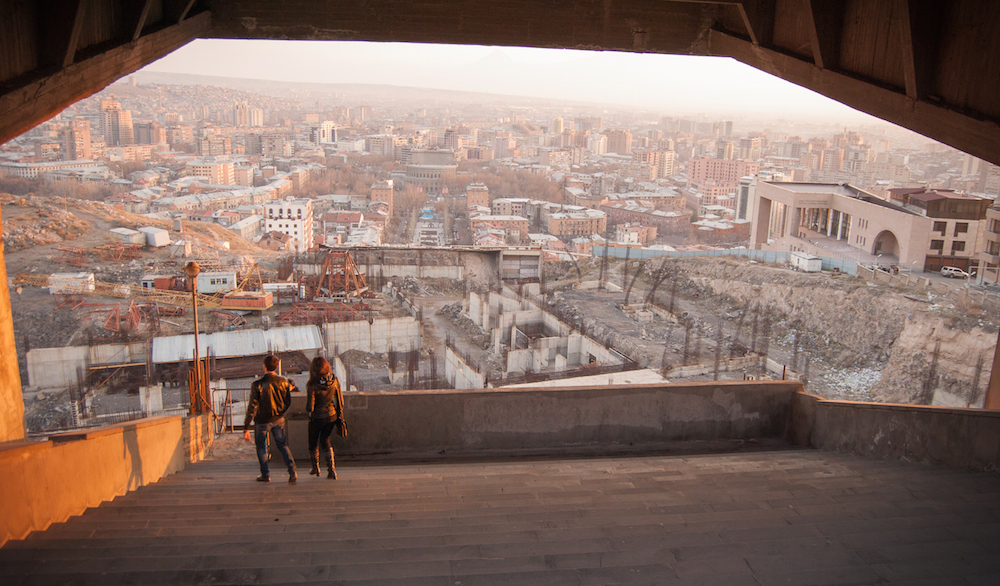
x=929 y=65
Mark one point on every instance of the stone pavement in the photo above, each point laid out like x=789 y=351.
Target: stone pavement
x=776 y=517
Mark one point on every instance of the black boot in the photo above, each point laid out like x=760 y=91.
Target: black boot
x=314 y=458
x=332 y=474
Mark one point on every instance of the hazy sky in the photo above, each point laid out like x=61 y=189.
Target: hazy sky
x=681 y=84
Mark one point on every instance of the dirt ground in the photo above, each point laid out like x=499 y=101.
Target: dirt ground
x=862 y=341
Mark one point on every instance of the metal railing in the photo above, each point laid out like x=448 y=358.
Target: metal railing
x=224 y=409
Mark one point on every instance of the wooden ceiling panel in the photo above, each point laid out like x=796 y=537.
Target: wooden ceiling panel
x=101 y=21
x=791 y=28
x=18 y=31
x=871 y=42
x=968 y=65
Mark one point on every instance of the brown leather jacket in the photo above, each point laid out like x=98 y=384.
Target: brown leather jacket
x=270 y=397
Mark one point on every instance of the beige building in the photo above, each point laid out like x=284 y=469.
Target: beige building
x=477 y=194
x=916 y=228
x=383 y=191
x=218 y=172
x=515 y=227
x=989 y=251
x=581 y=223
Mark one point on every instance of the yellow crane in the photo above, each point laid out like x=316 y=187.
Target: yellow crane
x=176 y=298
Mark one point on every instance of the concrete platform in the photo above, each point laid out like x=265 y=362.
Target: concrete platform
x=776 y=517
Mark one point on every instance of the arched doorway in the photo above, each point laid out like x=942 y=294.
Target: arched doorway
x=887 y=246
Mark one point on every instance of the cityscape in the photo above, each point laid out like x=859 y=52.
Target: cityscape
x=282 y=188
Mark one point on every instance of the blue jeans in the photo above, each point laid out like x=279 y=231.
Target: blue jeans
x=277 y=429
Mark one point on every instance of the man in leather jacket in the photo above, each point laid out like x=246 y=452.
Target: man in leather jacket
x=270 y=397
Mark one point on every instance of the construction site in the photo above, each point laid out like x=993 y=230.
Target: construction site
x=104 y=330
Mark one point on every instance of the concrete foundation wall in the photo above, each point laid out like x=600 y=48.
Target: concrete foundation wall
x=475 y=309
x=603 y=356
x=471 y=421
x=959 y=438
x=56 y=368
x=420 y=272
x=459 y=374
x=380 y=336
x=47 y=482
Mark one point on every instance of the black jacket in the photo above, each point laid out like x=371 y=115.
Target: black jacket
x=323 y=398
x=270 y=397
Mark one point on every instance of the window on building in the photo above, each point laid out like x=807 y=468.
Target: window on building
x=940 y=227
x=993 y=248
x=961 y=228
x=937 y=244
x=957 y=246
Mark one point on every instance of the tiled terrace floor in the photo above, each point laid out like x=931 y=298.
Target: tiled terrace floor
x=779 y=517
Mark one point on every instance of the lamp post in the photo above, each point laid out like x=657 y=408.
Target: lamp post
x=192 y=269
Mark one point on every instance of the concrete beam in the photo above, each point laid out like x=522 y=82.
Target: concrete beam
x=966 y=131
x=40 y=97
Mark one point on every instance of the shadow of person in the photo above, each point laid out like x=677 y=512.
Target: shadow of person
x=130 y=445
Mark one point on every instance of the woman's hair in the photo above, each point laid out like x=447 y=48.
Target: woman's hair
x=319 y=369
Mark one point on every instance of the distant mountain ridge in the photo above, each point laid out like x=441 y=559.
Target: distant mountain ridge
x=355 y=90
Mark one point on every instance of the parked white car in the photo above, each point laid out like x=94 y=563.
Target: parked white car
x=954 y=272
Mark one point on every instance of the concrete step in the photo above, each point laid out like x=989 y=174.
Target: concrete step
x=720 y=519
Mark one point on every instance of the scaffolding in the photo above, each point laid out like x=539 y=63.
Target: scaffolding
x=339 y=280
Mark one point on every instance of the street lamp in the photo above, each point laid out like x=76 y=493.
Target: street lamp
x=195 y=384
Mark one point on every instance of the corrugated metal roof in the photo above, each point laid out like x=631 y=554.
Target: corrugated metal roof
x=237 y=343
x=295 y=338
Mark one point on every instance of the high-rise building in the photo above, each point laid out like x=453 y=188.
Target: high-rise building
x=77 y=141
x=241 y=114
x=724 y=149
x=276 y=145
x=557 y=125
x=324 y=132
x=215 y=146
x=256 y=117
x=116 y=124
x=149 y=133
x=619 y=141
x=749 y=149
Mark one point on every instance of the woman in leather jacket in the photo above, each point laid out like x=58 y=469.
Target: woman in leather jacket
x=323 y=402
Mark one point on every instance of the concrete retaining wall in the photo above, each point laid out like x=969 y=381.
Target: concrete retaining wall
x=959 y=438
x=56 y=368
x=553 y=419
x=459 y=374
x=420 y=272
x=382 y=335
x=47 y=482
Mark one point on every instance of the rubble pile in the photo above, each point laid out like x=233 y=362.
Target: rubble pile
x=456 y=314
x=37 y=223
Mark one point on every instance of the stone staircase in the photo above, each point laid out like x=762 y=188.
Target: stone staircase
x=780 y=517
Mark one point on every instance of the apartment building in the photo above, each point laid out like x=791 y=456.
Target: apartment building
x=292 y=217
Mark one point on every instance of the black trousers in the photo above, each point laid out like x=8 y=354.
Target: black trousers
x=319 y=434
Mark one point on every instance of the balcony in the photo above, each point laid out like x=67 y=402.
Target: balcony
x=988 y=258
x=593 y=485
